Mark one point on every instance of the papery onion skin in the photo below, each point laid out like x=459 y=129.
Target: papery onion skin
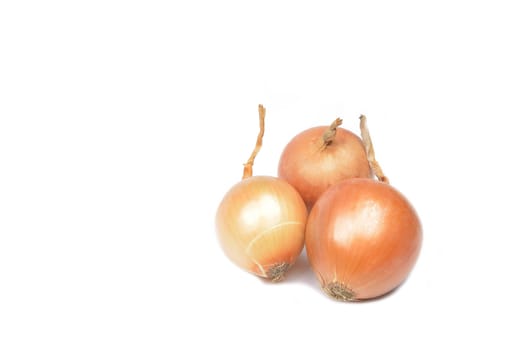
x=311 y=167
x=363 y=238
x=260 y=225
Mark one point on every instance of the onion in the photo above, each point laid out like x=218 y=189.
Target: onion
x=363 y=236
x=362 y=239
x=261 y=220
x=322 y=156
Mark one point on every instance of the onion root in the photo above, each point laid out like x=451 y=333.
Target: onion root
x=339 y=291
x=276 y=272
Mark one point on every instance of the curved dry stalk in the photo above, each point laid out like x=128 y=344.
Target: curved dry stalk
x=249 y=164
x=329 y=134
x=367 y=141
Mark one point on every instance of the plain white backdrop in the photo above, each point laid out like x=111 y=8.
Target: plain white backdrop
x=123 y=123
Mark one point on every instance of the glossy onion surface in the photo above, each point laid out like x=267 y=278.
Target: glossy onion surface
x=260 y=225
x=363 y=238
x=311 y=167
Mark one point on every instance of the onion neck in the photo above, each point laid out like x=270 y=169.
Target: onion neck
x=370 y=154
x=329 y=134
x=249 y=164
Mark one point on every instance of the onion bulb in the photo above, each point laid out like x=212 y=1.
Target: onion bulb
x=261 y=220
x=363 y=236
x=320 y=157
x=362 y=239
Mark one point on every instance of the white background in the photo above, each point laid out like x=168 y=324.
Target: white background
x=123 y=123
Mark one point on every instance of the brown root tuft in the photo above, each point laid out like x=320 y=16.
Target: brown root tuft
x=339 y=291
x=277 y=271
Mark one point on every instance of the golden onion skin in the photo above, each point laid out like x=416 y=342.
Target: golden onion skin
x=363 y=238
x=311 y=167
x=260 y=225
